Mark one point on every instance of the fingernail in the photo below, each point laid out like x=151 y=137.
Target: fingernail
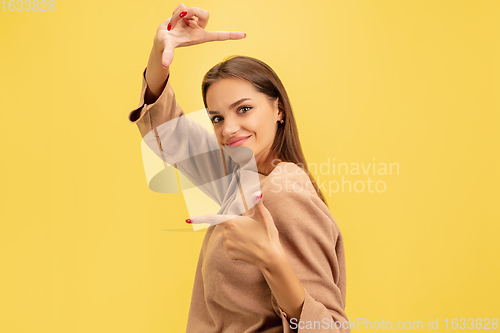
x=169 y=27
x=184 y=13
x=245 y=34
x=189 y=221
x=258 y=195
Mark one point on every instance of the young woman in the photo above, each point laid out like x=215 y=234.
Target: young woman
x=279 y=266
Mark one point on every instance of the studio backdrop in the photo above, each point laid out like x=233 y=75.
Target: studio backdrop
x=397 y=106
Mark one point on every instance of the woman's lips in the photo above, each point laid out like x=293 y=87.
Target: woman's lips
x=239 y=142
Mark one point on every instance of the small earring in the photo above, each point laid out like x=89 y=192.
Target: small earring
x=282 y=121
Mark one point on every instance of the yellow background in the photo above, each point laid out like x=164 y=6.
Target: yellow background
x=82 y=239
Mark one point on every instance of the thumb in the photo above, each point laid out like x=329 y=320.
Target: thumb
x=260 y=211
x=167 y=57
x=212 y=219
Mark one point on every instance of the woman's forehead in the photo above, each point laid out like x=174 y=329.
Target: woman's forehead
x=225 y=93
x=232 y=84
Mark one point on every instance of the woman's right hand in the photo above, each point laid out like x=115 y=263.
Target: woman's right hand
x=186 y=27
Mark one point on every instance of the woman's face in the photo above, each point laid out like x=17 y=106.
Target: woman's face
x=239 y=111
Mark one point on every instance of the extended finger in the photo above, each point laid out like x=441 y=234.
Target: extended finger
x=212 y=219
x=211 y=36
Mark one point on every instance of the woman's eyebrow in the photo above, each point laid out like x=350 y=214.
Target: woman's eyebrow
x=232 y=105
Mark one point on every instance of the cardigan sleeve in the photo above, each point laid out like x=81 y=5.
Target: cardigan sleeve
x=314 y=247
x=181 y=142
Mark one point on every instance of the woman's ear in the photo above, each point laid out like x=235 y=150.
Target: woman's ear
x=277 y=106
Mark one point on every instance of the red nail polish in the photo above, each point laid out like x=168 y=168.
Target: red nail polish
x=169 y=27
x=189 y=221
x=184 y=13
x=245 y=34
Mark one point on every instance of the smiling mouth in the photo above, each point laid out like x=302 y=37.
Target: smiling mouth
x=238 y=142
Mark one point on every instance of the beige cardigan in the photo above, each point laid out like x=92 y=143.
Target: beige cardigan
x=233 y=296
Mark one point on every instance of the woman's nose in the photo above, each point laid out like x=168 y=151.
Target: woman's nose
x=229 y=127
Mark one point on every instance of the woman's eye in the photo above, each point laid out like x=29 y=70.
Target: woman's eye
x=217 y=119
x=213 y=119
x=245 y=107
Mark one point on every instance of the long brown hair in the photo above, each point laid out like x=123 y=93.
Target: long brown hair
x=286 y=146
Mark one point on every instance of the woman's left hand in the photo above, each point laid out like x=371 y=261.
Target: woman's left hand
x=252 y=236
